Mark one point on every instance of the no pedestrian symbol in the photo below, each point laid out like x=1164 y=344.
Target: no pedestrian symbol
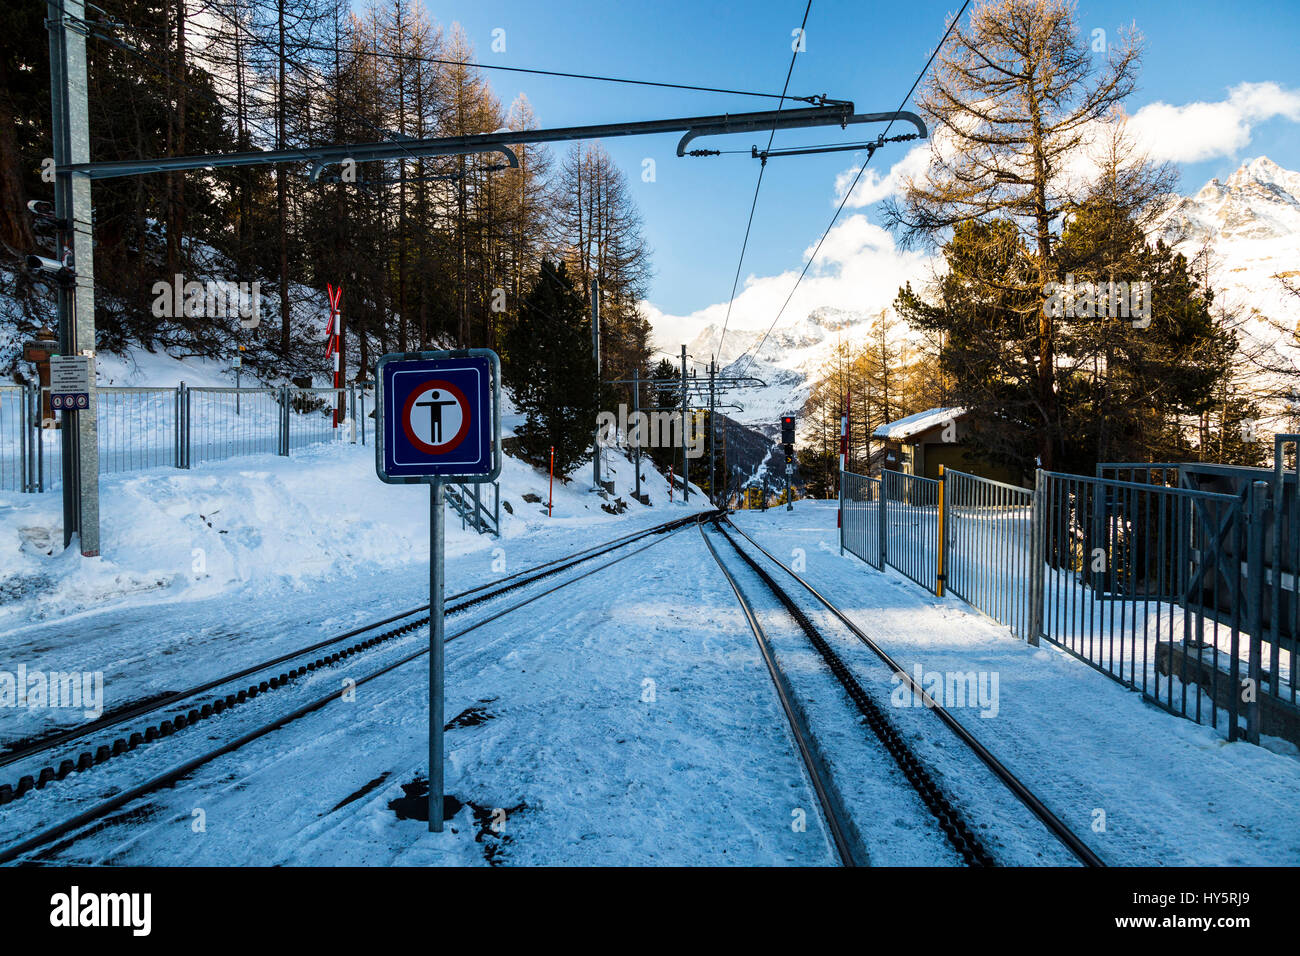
x=443 y=429
x=438 y=421
x=438 y=414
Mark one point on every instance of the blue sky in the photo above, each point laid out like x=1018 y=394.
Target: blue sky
x=695 y=210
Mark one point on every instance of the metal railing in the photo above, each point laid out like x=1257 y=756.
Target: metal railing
x=1160 y=587
x=911 y=516
x=989 y=533
x=141 y=428
x=862 y=522
x=311 y=418
x=220 y=423
x=1130 y=570
x=136 y=428
x=468 y=502
x=15 y=437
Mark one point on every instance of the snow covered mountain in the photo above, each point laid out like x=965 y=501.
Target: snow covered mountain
x=1248 y=225
x=789 y=357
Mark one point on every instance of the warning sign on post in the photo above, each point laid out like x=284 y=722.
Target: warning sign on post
x=70 y=381
x=438 y=416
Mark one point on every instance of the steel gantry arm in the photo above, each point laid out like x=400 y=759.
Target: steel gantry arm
x=837 y=114
x=741 y=124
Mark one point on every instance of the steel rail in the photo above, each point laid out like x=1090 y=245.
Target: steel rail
x=850 y=851
x=493 y=589
x=955 y=829
x=50 y=834
x=1067 y=837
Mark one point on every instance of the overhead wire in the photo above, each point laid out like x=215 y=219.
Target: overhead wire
x=853 y=185
x=735 y=283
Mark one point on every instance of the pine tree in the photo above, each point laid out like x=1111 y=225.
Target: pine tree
x=548 y=365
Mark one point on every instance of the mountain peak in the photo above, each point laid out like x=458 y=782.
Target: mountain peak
x=1262 y=171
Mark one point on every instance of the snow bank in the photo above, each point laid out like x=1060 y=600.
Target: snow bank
x=263 y=523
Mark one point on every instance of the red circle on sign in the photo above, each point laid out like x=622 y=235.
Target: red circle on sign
x=456 y=439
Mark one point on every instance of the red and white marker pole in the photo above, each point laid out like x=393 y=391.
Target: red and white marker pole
x=333 y=337
x=844 y=452
x=550 y=491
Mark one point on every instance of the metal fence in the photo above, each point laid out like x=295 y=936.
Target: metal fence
x=140 y=428
x=137 y=428
x=15 y=438
x=989 y=534
x=180 y=427
x=222 y=423
x=1160 y=587
x=911 y=515
x=861 y=522
x=1130 y=569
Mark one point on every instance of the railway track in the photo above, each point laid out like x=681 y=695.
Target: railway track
x=957 y=831
x=169 y=727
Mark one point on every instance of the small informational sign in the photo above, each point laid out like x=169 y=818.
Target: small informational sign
x=789 y=469
x=70 y=381
x=439 y=417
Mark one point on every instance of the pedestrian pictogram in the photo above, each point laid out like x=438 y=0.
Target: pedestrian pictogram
x=447 y=422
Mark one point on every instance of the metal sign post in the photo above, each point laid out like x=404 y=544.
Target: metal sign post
x=439 y=420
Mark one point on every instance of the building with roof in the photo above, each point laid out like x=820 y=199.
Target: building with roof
x=920 y=443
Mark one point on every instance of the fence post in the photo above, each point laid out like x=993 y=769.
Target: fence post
x=883 y=543
x=182 y=426
x=284 y=421
x=1037 y=557
x=1255 y=603
x=352 y=410
x=840 y=520
x=24 y=425
x=942 y=544
x=40 y=440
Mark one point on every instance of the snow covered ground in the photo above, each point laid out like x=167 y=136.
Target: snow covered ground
x=625 y=720
x=1169 y=792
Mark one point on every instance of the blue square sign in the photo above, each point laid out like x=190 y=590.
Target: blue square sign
x=438 y=416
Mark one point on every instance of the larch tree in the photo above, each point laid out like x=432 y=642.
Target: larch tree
x=1011 y=100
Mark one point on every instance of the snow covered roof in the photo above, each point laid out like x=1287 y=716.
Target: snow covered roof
x=905 y=428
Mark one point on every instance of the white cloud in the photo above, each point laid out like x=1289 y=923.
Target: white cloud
x=859 y=268
x=874 y=186
x=1198 y=131
x=1181 y=134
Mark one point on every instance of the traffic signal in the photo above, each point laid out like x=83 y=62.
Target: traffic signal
x=787 y=430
